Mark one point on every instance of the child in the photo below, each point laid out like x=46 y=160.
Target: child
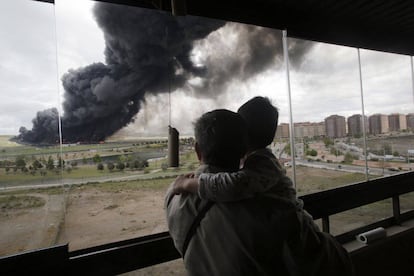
x=261 y=172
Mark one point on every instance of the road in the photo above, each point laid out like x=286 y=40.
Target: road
x=69 y=182
x=343 y=167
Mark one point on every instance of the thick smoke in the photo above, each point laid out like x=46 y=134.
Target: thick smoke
x=150 y=52
x=45 y=128
x=251 y=50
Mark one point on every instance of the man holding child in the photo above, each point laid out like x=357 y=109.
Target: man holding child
x=248 y=221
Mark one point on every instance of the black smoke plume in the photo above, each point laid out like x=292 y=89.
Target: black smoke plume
x=148 y=51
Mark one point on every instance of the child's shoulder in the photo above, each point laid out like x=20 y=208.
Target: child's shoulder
x=260 y=157
x=263 y=153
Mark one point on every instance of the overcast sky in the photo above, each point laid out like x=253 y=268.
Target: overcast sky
x=33 y=59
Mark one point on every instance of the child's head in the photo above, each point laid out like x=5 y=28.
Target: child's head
x=261 y=118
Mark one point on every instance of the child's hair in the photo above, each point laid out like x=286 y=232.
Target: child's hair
x=261 y=118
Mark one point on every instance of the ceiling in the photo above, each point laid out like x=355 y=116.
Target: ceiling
x=381 y=25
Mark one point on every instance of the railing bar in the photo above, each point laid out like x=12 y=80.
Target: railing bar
x=396 y=208
x=325 y=224
x=104 y=247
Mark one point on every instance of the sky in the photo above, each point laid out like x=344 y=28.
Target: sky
x=40 y=42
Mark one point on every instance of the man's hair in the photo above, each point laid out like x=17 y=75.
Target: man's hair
x=261 y=118
x=221 y=136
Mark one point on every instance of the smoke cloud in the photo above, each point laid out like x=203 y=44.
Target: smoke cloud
x=150 y=51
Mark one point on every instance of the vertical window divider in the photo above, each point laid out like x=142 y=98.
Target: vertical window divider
x=364 y=130
x=412 y=75
x=291 y=128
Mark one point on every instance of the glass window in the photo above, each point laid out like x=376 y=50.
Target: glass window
x=361 y=216
x=407 y=202
x=29 y=217
x=124 y=79
x=325 y=93
x=388 y=98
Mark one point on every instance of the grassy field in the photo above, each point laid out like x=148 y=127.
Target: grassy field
x=313 y=180
x=89 y=172
x=8 y=202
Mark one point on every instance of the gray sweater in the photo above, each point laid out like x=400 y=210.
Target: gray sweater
x=261 y=235
x=247 y=237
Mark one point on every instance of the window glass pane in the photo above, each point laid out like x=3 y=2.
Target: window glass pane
x=29 y=218
x=129 y=75
x=407 y=202
x=388 y=98
x=325 y=92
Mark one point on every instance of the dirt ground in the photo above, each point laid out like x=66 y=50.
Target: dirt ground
x=94 y=217
x=89 y=217
x=33 y=228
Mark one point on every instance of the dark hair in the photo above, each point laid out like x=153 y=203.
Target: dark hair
x=261 y=118
x=222 y=138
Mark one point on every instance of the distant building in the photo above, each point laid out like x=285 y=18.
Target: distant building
x=355 y=125
x=335 y=126
x=397 y=122
x=378 y=123
x=307 y=129
x=282 y=131
x=410 y=121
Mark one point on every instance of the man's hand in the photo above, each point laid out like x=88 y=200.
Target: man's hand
x=186 y=183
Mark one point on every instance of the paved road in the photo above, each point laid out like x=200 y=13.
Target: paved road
x=70 y=182
x=344 y=167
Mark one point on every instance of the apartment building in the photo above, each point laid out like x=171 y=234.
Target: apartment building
x=397 y=122
x=378 y=123
x=335 y=126
x=410 y=121
x=355 y=127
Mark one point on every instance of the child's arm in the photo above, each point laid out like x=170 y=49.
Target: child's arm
x=223 y=186
x=186 y=183
x=258 y=175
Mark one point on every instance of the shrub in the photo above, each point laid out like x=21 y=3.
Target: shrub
x=120 y=166
x=110 y=166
